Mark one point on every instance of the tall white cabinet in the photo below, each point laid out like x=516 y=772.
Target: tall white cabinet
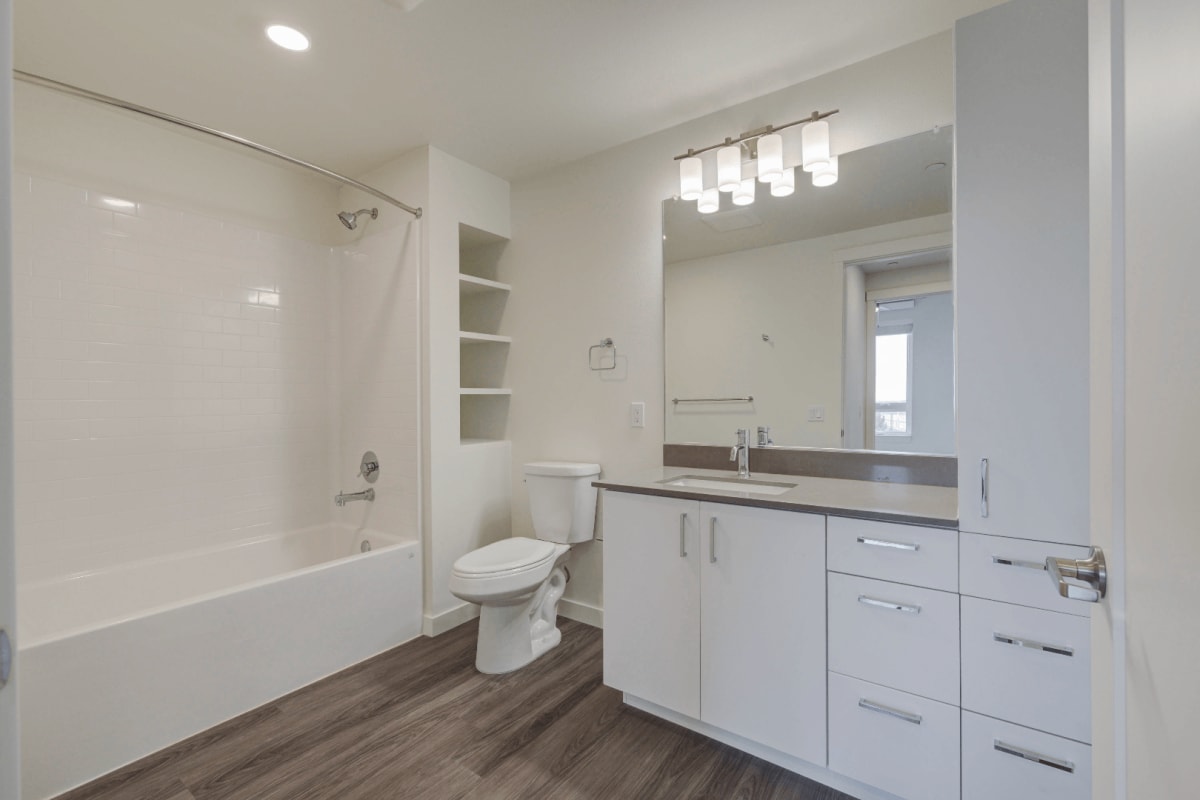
x=1021 y=270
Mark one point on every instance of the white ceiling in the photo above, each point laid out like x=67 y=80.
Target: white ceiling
x=513 y=86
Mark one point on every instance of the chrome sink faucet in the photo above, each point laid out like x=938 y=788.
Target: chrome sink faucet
x=741 y=453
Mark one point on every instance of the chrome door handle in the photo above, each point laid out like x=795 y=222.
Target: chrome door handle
x=1068 y=573
x=682 y=536
x=712 y=540
x=6 y=657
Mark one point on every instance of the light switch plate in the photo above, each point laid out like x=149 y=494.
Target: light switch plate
x=637 y=415
x=816 y=413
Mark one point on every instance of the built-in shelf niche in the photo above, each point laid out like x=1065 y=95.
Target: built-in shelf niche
x=483 y=350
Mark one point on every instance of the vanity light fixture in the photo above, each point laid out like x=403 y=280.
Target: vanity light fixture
x=765 y=147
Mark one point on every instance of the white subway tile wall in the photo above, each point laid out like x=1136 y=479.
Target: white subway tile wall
x=177 y=380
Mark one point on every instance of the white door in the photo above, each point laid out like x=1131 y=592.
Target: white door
x=1146 y=377
x=652 y=599
x=9 y=765
x=762 y=622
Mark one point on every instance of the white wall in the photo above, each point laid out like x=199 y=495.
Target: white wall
x=586 y=252
x=718 y=309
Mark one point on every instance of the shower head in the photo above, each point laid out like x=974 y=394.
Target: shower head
x=350 y=219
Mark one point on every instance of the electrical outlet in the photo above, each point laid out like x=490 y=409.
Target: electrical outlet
x=637 y=415
x=816 y=413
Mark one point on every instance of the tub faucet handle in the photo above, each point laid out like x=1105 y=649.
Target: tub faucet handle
x=368 y=468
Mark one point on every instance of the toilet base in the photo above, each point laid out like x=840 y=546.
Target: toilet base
x=512 y=635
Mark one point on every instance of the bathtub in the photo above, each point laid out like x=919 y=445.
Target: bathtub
x=118 y=663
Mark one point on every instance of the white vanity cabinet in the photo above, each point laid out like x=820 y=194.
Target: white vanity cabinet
x=717 y=612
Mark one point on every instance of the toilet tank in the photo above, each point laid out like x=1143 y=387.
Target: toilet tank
x=562 y=500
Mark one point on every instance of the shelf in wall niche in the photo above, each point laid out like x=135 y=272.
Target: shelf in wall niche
x=482 y=442
x=475 y=391
x=472 y=284
x=471 y=336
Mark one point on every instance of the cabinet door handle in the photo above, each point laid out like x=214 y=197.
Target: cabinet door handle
x=885 y=543
x=1005 y=561
x=915 y=719
x=1030 y=755
x=983 y=487
x=683 y=536
x=888 y=604
x=712 y=540
x=1058 y=650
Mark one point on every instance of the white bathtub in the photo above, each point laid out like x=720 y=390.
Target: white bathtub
x=119 y=663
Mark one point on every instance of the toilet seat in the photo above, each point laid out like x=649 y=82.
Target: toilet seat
x=505 y=557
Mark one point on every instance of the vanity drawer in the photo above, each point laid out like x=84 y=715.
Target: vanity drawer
x=1002 y=761
x=891 y=552
x=1029 y=666
x=1014 y=570
x=897 y=635
x=898 y=742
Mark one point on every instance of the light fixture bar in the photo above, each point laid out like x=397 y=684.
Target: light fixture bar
x=754 y=134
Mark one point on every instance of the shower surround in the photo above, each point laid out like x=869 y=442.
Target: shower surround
x=186 y=385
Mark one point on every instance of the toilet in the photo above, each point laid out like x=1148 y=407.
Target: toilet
x=519 y=581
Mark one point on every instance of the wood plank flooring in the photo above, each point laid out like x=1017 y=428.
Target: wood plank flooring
x=420 y=722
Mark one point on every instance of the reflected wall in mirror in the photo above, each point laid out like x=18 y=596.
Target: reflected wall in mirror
x=826 y=316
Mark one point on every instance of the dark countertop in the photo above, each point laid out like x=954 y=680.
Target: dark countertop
x=934 y=506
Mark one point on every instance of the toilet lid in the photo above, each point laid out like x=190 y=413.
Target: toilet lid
x=505 y=555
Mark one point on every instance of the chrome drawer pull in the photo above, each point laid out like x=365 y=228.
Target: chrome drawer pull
x=682 y=536
x=1016 y=562
x=915 y=719
x=1004 y=638
x=1037 y=758
x=888 y=604
x=885 y=543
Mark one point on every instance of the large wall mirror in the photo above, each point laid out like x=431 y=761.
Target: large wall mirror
x=826 y=316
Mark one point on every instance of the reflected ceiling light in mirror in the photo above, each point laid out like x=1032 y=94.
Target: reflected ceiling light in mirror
x=710 y=201
x=770 y=157
x=828 y=174
x=691 y=178
x=785 y=184
x=729 y=167
x=814 y=145
x=743 y=195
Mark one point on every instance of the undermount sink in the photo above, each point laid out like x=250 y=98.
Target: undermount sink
x=728 y=484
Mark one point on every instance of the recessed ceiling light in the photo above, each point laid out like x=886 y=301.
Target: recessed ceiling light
x=287 y=37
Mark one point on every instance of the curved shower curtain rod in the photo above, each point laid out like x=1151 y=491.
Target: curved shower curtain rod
x=87 y=94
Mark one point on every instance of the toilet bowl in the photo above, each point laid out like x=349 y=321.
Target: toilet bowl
x=518 y=582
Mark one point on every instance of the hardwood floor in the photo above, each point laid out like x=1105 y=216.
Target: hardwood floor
x=420 y=722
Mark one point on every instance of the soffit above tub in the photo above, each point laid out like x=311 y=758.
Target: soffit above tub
x=513 y=86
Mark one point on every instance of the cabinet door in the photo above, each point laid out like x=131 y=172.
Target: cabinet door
x=762 y=672
x=1021 y=269
x=652 y=599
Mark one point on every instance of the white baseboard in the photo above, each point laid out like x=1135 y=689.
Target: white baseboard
x=817 y=773
x=581 y=612
x=437 y=624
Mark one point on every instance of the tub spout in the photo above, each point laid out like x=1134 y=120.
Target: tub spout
x=343 y=497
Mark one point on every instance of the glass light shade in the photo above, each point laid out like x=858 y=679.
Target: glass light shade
x=729 y=168
x=691 y=178
x=744 y=194
x=710 y=201
x=828 y=175
x=770 y=157
x=785 y=184
x=814 y=139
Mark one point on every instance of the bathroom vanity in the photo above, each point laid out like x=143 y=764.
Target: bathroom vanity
x=847 y=630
